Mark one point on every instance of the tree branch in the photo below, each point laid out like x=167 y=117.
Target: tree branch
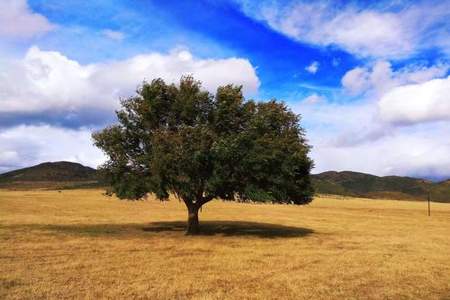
x=204 y=200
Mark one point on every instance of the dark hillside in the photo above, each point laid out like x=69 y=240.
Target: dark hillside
x=51 y=171
x=50 y=174
x=60 y=175
x=365 y=185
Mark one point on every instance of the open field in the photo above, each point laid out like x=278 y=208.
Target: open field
x=80 y=244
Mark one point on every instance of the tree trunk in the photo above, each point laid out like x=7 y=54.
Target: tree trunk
x=192 y=226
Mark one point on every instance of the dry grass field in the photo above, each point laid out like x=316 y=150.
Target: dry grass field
x=81 y=244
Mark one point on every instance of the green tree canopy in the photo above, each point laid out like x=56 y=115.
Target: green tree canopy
x=183 y=140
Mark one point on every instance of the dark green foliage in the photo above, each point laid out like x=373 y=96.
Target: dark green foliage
x=185 y=141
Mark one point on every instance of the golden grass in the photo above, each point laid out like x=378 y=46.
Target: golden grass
x=80 y=244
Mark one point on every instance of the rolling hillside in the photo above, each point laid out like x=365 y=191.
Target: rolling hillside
x=348 y=183
x=51 y=174
x=73 y=175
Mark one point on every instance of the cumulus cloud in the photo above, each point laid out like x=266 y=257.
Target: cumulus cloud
x=55 y=87
x=49 y=81
x=412 y=94
x=414 y=103
x=407 y=151
x=353 y=137
x=313 y=67
x=23 y=146
x=380 y=77
x=364 y=32
x=18 y=21
x=399 y=125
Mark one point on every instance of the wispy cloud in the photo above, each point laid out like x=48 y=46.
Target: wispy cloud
x=365 y=32
x=313 y=99
x=113 y=34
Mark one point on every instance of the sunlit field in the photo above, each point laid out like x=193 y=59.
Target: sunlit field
x=81 y=244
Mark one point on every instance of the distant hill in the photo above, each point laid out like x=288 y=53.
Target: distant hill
x=348 y=183
x=50 y=174
x=64 y=174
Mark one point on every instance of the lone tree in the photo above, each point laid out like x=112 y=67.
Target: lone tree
x=182 y=140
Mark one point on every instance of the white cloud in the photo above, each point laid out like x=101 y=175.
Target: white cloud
x=412 y=94
x=380 y=77
x=364 y=32
x=337 y=123
x=353 y=137
x=419 y=74
x=47 y=80
x=356 y=80
x=18 y=21
x=400 y=126
x=313 y=67
x=24 y=146
x=414 y=103
x=113 y=34
x=403 y=152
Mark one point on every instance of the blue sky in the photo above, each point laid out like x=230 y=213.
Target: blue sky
x=371 y=81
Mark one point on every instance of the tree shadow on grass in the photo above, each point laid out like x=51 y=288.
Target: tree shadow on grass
x=174 y=228
x=233 y=228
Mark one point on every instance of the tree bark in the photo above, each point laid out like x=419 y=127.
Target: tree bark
x=193 y=225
